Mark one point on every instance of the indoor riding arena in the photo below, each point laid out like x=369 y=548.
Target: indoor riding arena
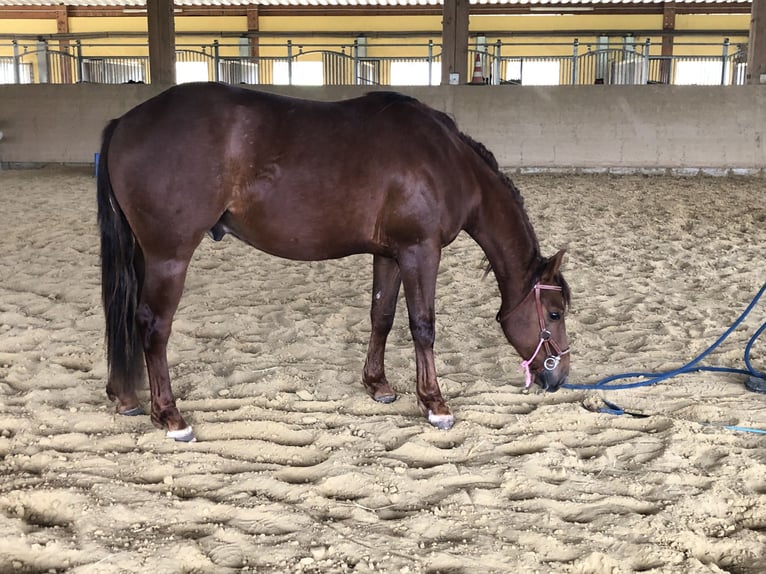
x=657 y=194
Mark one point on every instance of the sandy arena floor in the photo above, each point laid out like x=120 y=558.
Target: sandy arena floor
x=298 y=471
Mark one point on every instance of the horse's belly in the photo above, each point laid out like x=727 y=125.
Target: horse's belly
x=291 y=236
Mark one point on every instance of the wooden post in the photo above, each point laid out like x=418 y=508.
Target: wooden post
x=62 y=27
x=756 y=52
x=162 y=49
x=253 y=25
x=668 y=25
x=455 y=40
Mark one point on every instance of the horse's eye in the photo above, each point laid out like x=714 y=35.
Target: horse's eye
x=554 y=315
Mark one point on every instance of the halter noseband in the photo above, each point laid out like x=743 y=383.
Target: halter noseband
x=546 y=340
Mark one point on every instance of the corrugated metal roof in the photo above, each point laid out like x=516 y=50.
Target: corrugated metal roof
x=540 y=3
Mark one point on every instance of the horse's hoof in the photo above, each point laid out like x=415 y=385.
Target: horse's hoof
x=183 y=435
x=385 y=399
x=134 y=412
x=443 y=422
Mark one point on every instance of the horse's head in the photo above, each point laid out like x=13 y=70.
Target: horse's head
x=536 y=328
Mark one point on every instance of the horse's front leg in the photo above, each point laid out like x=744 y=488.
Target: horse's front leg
x=161 y=292
x=419 y=266
x=386 y=281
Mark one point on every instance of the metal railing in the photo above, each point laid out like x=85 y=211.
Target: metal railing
x=630 y=64
x=289 y=63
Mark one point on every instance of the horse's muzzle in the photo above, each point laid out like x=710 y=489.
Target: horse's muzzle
x=549 y=381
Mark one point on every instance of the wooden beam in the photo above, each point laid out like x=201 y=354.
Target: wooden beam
x=162 y=49
x=455 y=41
x=756 y=51
x=62 y=27
x=253 y=25
x=668 y=27
x=627 y=8
x=62 y=19
x=27 y=12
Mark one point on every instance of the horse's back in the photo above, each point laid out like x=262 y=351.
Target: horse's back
x=194 y=116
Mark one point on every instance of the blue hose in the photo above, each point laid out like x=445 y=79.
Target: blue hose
x=648 y=379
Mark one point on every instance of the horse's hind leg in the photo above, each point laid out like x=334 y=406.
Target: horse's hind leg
x=163 y=285
x=385 y=291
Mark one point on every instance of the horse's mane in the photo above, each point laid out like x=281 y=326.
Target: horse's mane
x=491 y=161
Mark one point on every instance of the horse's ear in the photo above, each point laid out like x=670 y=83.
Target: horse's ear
x=553 y=266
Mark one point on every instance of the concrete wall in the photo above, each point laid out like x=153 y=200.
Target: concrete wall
x=562 y=127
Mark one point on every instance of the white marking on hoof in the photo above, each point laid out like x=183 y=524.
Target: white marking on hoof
x=443 y=422
x=183 y=435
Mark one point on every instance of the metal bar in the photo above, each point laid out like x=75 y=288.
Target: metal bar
x=575 y=70
x=289 y=62
x=434 y=33
x=80 y=74
x=647 y=46
x=430 y=62
x=16 y=63
x=496 y=63
x=216 y=62
x=356 y=62
x=42 y=62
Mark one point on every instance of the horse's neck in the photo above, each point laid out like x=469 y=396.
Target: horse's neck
x=503 y=231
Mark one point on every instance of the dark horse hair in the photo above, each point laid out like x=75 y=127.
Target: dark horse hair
x=120 y=282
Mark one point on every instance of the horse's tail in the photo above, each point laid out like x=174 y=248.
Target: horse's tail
x=120 y=282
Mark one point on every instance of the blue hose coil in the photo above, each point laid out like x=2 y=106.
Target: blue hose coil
x=756 y=381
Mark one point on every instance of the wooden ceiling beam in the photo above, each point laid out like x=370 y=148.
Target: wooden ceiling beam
x=48 y=12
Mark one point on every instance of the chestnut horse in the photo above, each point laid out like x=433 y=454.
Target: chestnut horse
x=382 y=174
